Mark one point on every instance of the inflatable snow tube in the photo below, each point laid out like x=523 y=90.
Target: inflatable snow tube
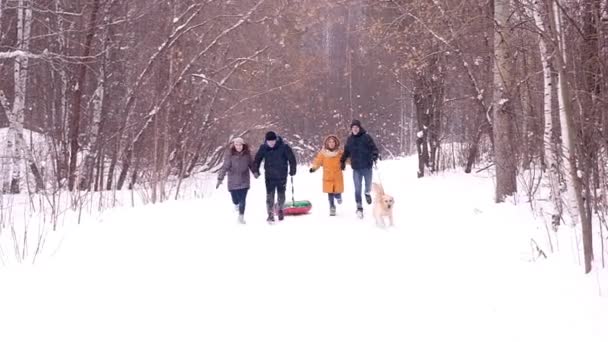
x=297 y=208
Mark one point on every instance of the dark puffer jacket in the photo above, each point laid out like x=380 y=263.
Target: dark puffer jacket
x=275 y=160
x=237 y=166
x=361 y=150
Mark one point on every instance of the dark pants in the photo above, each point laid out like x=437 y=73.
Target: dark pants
x=278 y=186
x=239 y=197
x=331 y=197
x=358 y=176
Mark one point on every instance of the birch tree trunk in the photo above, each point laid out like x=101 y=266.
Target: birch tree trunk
x=86 y=175
x=576 y=204
x=14 y=144
x=20 y=88
x=551 y=159
x=16 y=116
x=6 y=161
x=506 y=169
x=29 y=156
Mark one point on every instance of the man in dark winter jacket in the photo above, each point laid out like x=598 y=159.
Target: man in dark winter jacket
x=277 y=155
x=363 y=154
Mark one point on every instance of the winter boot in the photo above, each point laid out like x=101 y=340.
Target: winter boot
x=270 y=218
x=360 y=213
x=241 y=219
x=332 y=211
x=281 y=215
x=368 y=198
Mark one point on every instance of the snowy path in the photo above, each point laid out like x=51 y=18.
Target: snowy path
x=185 y=271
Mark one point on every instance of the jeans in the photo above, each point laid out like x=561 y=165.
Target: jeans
x=239 y=197
x=358 y=176
x=331 y=197
x=279 y=187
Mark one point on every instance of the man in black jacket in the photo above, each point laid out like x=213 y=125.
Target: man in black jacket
x=277 y=155
x=363 y=154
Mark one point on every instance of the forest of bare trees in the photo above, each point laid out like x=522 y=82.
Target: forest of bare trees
x=126 y=93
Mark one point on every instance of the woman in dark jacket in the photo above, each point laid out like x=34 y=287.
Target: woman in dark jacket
x=237 y=165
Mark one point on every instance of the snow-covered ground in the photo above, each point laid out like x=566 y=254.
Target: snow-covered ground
x=456 y=267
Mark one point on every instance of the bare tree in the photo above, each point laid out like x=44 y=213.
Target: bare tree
x=461 y=82
x=16 y=145
x=575 y=197
x=74 y=132
x=551 y=158
x=506 y=167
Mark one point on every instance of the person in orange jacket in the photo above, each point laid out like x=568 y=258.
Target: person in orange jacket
x=333 y=180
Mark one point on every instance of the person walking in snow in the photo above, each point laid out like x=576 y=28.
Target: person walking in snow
x=277 y=157
x=333 y=180
x=363 y=154
x=238 y=162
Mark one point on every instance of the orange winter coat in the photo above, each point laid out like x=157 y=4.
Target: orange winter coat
x=333 y=180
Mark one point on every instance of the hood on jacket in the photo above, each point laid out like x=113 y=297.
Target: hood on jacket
x=336 y=139
x=233 y=150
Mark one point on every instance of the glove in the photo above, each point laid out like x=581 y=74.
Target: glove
x=256 y=175
x=219 y=182
x=311 y=170
x=292 y=172
x=342 y=166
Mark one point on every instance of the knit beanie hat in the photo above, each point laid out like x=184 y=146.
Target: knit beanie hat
x=355 y=123
x=238 y=140
x=271 y=136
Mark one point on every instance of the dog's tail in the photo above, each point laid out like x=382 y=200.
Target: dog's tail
x=377 y=188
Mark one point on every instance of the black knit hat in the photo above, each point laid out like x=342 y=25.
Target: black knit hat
x=270 y=136
x=355 y=123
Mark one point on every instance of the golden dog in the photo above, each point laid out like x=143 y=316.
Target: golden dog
x=383 y=205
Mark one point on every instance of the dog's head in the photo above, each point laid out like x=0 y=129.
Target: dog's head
x=388 y=201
